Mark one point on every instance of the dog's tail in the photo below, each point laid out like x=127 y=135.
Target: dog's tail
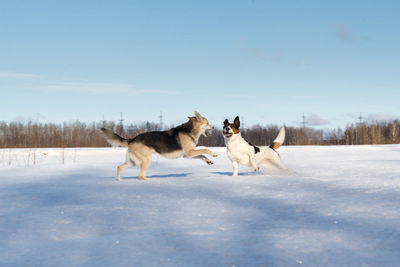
x=113 y=138
x=279 y=139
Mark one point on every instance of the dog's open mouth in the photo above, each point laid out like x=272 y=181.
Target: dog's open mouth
x=228 y=134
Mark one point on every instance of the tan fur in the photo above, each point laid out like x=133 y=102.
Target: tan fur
x=276 y=145
x=234 y=129
x=140 y=155
x=188 y=147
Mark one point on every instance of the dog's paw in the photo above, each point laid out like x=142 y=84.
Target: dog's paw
x=209 y=162
x=256 y=169
x=214 y=155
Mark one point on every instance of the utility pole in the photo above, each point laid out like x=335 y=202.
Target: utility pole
x=304 y=130
x=360 y=118
x=121 y=125
x=161 y=121
x=304 y=121
x=103 y=121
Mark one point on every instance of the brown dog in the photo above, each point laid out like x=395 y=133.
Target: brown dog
x=174 y=143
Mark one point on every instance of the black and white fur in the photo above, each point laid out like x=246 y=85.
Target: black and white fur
x=242 y=152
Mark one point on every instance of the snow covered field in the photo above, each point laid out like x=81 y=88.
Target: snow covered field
x=64 y=208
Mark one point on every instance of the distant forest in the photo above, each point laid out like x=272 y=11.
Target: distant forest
x=79 y=134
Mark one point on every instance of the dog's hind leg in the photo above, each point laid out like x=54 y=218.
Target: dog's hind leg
x=275 y=166
x=282 y=168
x=128 y=163
x=253 y=163
x=278 y=164
x=145 y=163
x=141 y=156
x=122 y=167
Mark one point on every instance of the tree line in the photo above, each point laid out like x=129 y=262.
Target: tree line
x=80 y=134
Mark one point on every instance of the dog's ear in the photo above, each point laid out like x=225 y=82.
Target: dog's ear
x=237 y=122
x=226 y=122
x=198 y=116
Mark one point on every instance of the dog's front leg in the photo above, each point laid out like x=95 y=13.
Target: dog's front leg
x=209 y=152
x=194 y=153
x=204 y=158
x=235 y=166
x=189 y=148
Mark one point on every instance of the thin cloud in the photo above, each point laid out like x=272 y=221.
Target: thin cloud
x=34 y=118
x=103 y=88
x=314 y=120
x=93 y=88
x=275 y=58
x=15 y=75
x=243 y=96
x=304 y=97
x=347 y=35
x=381 y=117
x=373 y=117
x=258 y=53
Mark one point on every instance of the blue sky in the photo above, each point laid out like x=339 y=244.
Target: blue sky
x=266 y=61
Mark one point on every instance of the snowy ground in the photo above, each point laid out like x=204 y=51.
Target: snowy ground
x=64 y=208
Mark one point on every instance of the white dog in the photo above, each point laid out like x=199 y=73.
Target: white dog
x=240 y=151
